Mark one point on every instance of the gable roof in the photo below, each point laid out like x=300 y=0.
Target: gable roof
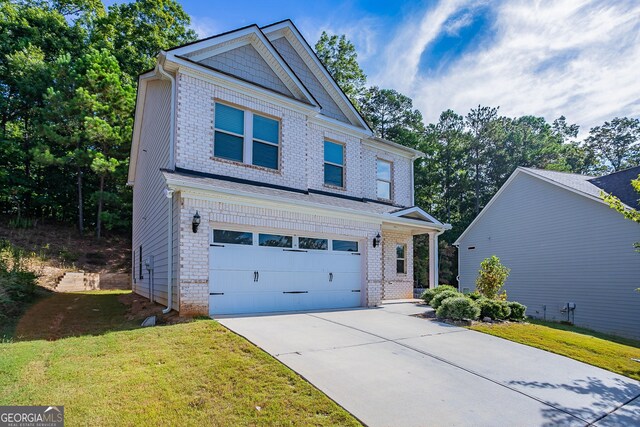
x=619 y=185
x=288 y=30
x=579 y=184
x=195 y=52
x=415 y=212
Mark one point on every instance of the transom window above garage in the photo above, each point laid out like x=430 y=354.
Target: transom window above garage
x=282 y=240
x=246 y=137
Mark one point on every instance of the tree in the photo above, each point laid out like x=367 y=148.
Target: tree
x=391 y=115
x=617 y=141
x=491 y=277
x=340 y=58
x=480 y=122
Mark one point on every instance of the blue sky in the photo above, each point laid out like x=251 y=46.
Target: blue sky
x=579 y=58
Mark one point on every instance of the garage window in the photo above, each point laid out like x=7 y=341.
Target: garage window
x=312 y=243
x=275 y=240
x=345 y=246
x=401 y=264
x=233 y=237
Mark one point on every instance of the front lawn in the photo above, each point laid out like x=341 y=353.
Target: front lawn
x=195 y=373
x=605 y=351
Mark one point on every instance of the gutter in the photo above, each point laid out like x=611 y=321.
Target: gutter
x=169 y=192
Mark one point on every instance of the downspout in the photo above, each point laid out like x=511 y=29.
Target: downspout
x=169 y=193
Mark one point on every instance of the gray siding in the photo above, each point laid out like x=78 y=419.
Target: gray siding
x=561 y=247
x=245 y=62
x=313 y=85
x=150 y=206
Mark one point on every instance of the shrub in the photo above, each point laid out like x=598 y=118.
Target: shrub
x=442 y=288
x=458 y=308
x=491 y=277
x=494 y=309
x=474 y=296
x=428 y=295
x=437 y=300
x=517 y=310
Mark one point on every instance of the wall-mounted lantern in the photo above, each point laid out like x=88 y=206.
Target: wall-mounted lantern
x=377 y=240
x=196 y=222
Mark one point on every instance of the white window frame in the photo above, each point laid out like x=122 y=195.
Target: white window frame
x=343 y=166
x=404 y=260
x=390 y=181
x=248 y=138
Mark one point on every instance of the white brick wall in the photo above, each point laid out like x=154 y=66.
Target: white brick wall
x=397 y=285
x=194 y=247
x=302 y=147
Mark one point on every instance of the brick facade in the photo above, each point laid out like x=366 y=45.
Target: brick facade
x=397 y=285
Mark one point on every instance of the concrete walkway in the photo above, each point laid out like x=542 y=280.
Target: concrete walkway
x=389 y=368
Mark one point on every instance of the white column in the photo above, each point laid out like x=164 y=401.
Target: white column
x=433 y=259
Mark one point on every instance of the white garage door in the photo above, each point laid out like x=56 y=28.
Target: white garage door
x=259 y=272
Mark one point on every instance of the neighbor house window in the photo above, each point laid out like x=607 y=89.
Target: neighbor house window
x=333 y=164
x=401 y=261
x=345 y=246
x=383 y=179
x=311 y=243
x=275 y=240
x=233 y=237
x=244 y=136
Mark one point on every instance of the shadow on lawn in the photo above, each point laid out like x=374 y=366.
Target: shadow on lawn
x=606 y=398
x=84 y=313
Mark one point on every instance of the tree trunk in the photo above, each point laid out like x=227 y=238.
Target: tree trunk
x=80 y=204
x=477 y=186
x=99 y=219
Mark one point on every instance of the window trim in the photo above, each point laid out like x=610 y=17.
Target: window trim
x=404 y=260
x=247 y=137
x=390 y=182
x=343 y=166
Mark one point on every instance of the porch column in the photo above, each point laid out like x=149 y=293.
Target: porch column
x=433 y=259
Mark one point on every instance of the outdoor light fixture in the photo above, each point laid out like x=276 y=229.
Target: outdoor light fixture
x=376 y=240
x=196 y=222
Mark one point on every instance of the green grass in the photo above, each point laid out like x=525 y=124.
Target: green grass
x=196 y=373
x=605 y=351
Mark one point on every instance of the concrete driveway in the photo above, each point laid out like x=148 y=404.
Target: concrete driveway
x=389 y=368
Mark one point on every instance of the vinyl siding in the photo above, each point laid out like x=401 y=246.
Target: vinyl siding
x=561 y=247
x=150 y=206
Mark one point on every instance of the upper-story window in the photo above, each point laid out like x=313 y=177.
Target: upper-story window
x=333 y=164
x=383 y=179
x=244 y=136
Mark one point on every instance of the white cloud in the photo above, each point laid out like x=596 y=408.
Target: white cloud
x=550 y=57
x=204 y=26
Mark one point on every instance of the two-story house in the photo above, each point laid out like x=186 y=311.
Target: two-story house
x=258 y=187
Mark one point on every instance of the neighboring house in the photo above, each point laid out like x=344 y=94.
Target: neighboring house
x=299 y=206
x=563 y=245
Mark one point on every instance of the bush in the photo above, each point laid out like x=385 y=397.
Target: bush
x=491 y=277
x=494 y=309
x=474 y=296
x=517 y=310
x=428 y=295
x=458 y=308
x=437 y=300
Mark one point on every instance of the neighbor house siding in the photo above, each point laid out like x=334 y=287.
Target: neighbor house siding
x=150 y=206
x=561 y=247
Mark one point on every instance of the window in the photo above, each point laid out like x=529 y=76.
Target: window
x=243 y=136
x=383 y=179
x=140 y=263
x=345 y=245
x=229 y=133
x=311 y=243
x=275 y=240
x=266 y=133
x=401 y=264
x=333 y=164
x=233 y=237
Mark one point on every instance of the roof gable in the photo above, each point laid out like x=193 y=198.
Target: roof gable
x=419 y=214
x=248 y=55
x=619 y=185
x=301 y=57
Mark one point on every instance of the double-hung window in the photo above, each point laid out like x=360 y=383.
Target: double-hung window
x=333 y=164
x=401 y=260
x=383 y=179
x=247 y=137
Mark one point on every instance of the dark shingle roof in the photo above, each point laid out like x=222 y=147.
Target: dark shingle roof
x=619 y=184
